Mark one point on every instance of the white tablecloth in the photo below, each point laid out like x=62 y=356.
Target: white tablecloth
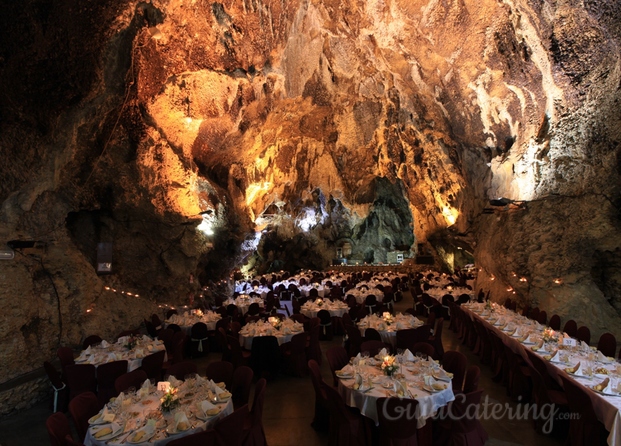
x=284 y=334
x=428 y=402
x=185 y=321
x=105 y=353
x=140 y=409
x=336 y=308
x=388 y=331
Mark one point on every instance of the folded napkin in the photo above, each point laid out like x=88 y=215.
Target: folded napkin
x=433 y=383
x=107 y=430
x=347 y=370
x=605 y=386
x=399 y=326
x=106 y=415
x=538 y=346
x=358 y=382
x=357 y=359
x=556 y=356
x=576 y=369
x=143 y=433
x=603 y=358
x=146 y=338
x=401 y=388
x=139 y=353
x=105 y=344
x=383 y=352
x=88 y=349
x=174 y=382
x=584 y=345
x=112 y=356
x=91 y=359
x=209 y=409
x=145 y=388
x=181 y=422
x=407 y=354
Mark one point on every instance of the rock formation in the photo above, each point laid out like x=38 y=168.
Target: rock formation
x=198 y=136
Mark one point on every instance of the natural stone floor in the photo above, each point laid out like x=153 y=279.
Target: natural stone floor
x=289 y=405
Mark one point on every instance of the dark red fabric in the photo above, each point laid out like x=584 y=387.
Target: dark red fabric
x=106 y=376
x=240 y=385
x=80 y=378
x=82 y=407
x=133 y=379
x=397 y=425
x=455 y=362
x=58 y=428
x=337 y=359
x=220 y=371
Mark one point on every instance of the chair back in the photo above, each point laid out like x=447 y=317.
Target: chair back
x=58 y=428
x=240 y=385
x=166 y=336
x=396 y=420
x=152 y=365
x=133 y=379
x=181 y=369
x=61 y=391
x=80 y=378
x=178 y=343
x=65 y=354
x=571 y=328
x=229 y=429
x=455 y=362
x=204 y=438
x=555 y=322
x=584 y=334
x=220 y=371
x=106 y=377
x=409 y=337
x=371 y=334
x=90 y=341
x=83 y=407
x=425 y=348
x=373 y=347
x=265 y=356
x=337 y=359
x=471 y=383
x=607 y=344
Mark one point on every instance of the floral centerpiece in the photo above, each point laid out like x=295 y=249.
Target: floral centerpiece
x=549 y=335
x=389 y=365
x=169 y=401
x=275 y=322
x=319 y=302
x=131 y=342
x=387 y=317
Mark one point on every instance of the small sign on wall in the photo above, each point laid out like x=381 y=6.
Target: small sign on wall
x=104 y=258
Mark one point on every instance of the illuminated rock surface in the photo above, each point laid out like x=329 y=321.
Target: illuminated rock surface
x=296 y=127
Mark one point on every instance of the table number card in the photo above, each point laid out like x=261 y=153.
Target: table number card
x=163 y=386
x=570 y=342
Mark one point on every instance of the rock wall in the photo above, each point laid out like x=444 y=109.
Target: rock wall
x=195 y=136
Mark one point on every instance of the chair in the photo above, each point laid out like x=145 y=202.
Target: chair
x=240 y=385
x=174 y=327
x=58 y=428
x=423 y=347
x=355 y=339
x=265 y=357
x=471 y=383
x=156 y=321
x=254 y=434
x=327 y=331
x=90 y=341
x=294 y=355
x=374 y=347
x=543 y=317
x=461 y=428
x=571 y=328
x=166 y=336
x=607 y=344
x=81 y=408
x=321 y=419
x=133 y=379
x=61 y=391
x=239 y=356
x=106 y=377
x=204 y=438
x=80 y=378
x=436 y=339
x=396 y=426
x=313 y=348
x=199 y=337
x=220 y=371
x=229 y=429
x=181 y=369
x=347 y=426
x=455 y=362
x=170 y=312
x=584 y=334
x=407 y=338
x=152 y=365
x=337 y=359
x=519 y=385
x=371 y=334
x=151 y=330
x=178 y=344
x=585 y=429
x=65 y=354
x=555 y=322
x=370 y=303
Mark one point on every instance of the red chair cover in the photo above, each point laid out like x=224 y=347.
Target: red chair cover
x=254 y=434
x=607 y=344
x=397 y=425
x=320 y=421
x=106 y=377
x=471 y=383
x=65 y=354
x=424 y=348
x=586 y=429
x=80 y=378
x=555 y=322
x=181 y=370
x=205 y=438
x=133 y=379
x=91 y=340
x=152 y=365
x=229 y=429
x=294 y=355
x=220 y=371
x=240 y=385
x=58 y=428
x=571 y=328
x=584 y=334
x=407 y=338
x=347 y=427
x=461 y=428
x=373 y=347
x=61 y=391
x=455 y=362
x=337 y=359
x=82 y=407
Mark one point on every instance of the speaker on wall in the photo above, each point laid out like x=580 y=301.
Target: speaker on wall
x=104 y=258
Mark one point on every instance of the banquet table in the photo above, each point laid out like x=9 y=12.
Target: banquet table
x=130 y=348
x=361 y=294
x=336 y=308
x=286 y=330
x=388 y=325
x=606 y=407
x=186 y=320
x=243 y=302
x=414 y=375
x=321 y=290
x=135 y=410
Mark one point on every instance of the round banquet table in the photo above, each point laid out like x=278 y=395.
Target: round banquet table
x=136 y=413
x=260 y=328
x=336 y=309
x=387 y=332
x=361 y=294
x=185 y=321
x=428 y=402
x=243 y=303
x=105 y=352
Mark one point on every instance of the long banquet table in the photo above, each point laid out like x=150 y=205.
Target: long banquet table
x=607 y=408
x=130 y=348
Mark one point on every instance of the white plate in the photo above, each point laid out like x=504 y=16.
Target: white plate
x=105 y=437
x=605 y=394
x=144 y=439
x=344 y=375
x=205 y=417
x=431 y=389
x=172 y=430
x=96 y=419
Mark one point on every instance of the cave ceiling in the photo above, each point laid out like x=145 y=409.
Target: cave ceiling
x=199 y=135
